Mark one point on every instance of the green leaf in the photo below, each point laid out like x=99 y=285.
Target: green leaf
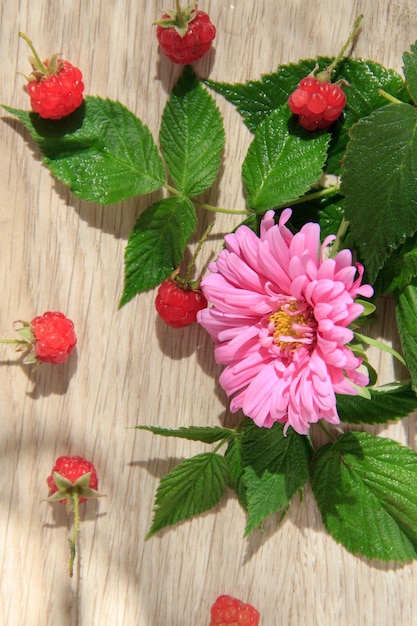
x=156 y=244
x=366 y=490
x=281 y=164
x=192 y=487
x=410 y=71
x=363 y=80
x=327 y=211
x=275 y=467
x=103 y=152
x=380 y=182
x=399 y=269
x=191 y=135
x=207 y=434
x=233 y=457
x=406 y=314
x=388 y=403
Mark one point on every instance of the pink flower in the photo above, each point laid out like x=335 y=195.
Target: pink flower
x=279 y=319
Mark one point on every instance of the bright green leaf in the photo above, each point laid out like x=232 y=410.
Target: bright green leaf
x=157 y=243
x=191 y=135
x=380 y=182
x=103 y=152
x=406 y=313
x=386 y=404
x=410 y=71
x=192 y=487
x=275 y=468
x=281 y=164
x=366 y=490
x=207 y=434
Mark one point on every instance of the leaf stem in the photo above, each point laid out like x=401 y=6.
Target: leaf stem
x=389 y=97
x=340 y=235
x=316 y=195
x=207 y=207
x=191 y=265
x=326 y=430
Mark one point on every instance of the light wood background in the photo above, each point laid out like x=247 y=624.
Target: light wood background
x=60 y=253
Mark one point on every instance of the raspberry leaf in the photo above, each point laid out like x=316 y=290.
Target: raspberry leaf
x=281 y=165
x=387 y=403
x=275 y=468
x=192 y=487
x=380 y=180
x=191 y=135
x=103 y=152
x=366 y=490
x=410 y=71
x=156 y=244
x=207 y=434
x=406 y=313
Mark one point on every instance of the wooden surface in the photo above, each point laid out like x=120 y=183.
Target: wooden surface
x=60 y=253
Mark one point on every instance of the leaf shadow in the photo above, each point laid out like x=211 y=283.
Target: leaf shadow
x=168 y=72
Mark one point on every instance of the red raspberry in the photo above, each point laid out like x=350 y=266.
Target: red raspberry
x=228 y=611
x=179 y=304
x=185 y=35
x=72 y=468
x=317 y=103
x=55 y=86
x=53 y=337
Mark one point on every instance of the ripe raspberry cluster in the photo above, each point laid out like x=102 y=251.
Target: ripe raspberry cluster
x=229 y=611
x=317 y=103
x=56 y=95
x=72 y=468
x=185 y=35
x=53 y=337
x=177 y=304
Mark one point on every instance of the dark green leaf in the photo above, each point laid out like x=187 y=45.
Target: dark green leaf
x=399 y=269
x=326 y=211
x=406 y=313
x=192 y=135
x=192 y=487
x=380 y=182
x=275 y=468
x=410 y=71
x=389 y=403
x=207 y=434
x=366 y=490
x=157 y=243
x=281 y=164
x=103 y=152
x=364 y=79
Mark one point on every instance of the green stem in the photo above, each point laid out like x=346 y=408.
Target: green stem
x=39 y=63
x=316 y=195
x=326 y=430
x=21 y=341
x=348 y=42
x=73 y=541
x=389 y=97
x=207 y=207
x=215 y=209
x=340 y=235
x=191 y=265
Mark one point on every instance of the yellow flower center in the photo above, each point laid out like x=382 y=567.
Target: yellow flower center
x=292 y=325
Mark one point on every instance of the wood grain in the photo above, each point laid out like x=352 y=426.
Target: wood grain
x=58 y=252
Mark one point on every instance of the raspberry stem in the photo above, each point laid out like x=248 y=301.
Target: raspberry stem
x=39 y=65
x=348 y=42
x=207 y=207
x=389 y=97
x=73 y=541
